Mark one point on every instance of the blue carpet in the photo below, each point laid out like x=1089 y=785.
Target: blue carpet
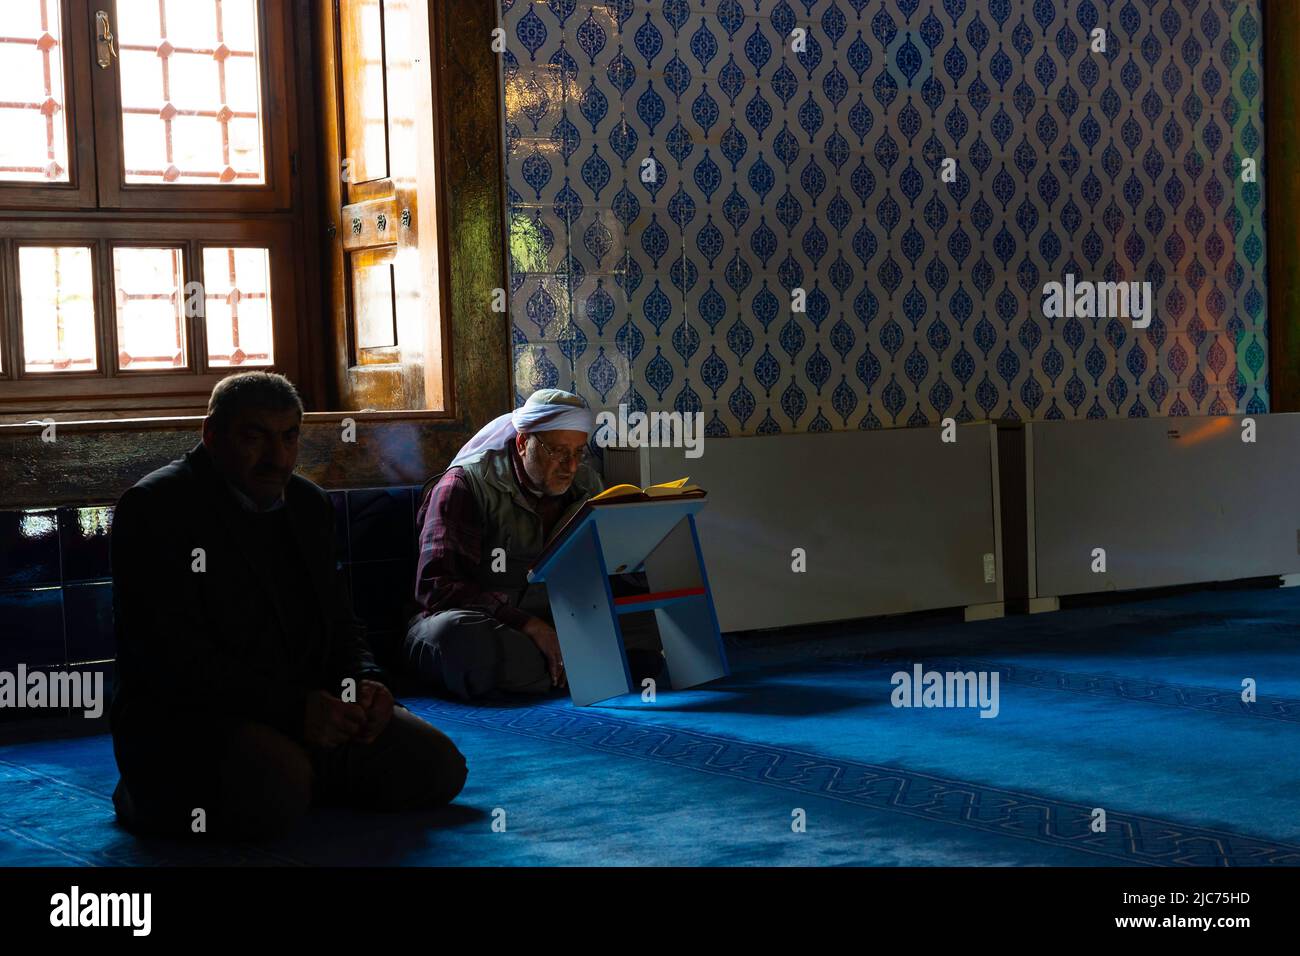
x=1134 y=708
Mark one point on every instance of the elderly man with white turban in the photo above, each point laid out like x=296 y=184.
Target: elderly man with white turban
x=481 y=628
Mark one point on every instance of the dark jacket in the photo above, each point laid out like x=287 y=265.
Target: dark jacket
x=218 y=642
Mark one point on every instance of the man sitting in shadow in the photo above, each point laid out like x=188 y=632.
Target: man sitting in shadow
x=246 y=691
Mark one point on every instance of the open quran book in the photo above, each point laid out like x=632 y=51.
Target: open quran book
x=669 y=489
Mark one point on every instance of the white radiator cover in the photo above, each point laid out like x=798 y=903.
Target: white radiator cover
x=890 y=521
x=1171 y=500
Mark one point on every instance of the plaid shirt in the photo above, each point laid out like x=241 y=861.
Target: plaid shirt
x=451 y=544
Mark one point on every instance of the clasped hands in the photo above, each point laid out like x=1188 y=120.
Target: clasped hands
x=330 y=721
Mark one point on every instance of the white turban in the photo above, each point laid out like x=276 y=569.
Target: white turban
x=547 y=410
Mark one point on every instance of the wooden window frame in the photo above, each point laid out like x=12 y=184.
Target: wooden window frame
x=110 y=388
x=74 y=241
x=274 y=193
x=360 y=198
x=193 y=348
x=477 y=352
x=96 y=460
x=97 y=207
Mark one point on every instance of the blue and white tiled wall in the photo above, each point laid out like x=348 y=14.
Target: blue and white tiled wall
x=820 y=170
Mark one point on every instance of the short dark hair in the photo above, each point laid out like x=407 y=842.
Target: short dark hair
x=264 y=390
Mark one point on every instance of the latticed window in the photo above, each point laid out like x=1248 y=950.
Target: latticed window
x=191 y=108
x=34 y=147
x=148 y=287
x=238 y=306
x=150 y=128
x=58 y=304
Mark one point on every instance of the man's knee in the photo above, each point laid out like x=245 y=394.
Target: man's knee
x=424 y=768
x=470 y=655
x=266 y=785
x=446 y=771
x=456 y=651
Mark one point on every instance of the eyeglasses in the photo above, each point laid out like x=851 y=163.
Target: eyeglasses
x=574 y=458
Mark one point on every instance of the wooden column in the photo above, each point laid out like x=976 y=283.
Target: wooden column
x=473 y=151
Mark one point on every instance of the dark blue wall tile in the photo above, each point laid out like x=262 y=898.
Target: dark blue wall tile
x=88 y=617
x=379 y=524
x=29 y=548
x=31 y=628
x=84 y=538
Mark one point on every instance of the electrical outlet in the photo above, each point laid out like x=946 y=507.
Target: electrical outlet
x=990 y=568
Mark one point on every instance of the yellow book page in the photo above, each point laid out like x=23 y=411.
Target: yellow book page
x=617 y=491
x=671 y=488
x=675 y=485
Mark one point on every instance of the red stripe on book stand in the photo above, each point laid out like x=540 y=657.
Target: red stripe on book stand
x=658 y=596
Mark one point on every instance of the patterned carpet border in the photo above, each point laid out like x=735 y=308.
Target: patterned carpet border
x=1130 y=838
